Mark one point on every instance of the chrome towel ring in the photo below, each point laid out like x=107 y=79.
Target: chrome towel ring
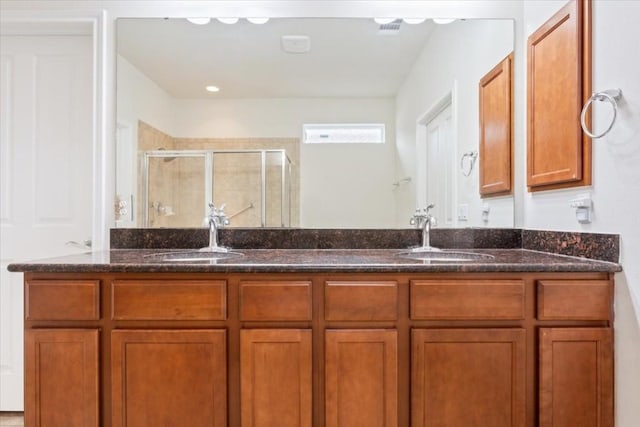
x=472 y=155
x=610 y=95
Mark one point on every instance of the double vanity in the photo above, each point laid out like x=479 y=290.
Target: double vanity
x=318 y=337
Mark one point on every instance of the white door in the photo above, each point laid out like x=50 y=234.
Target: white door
x=45 y=172
x=436 y=167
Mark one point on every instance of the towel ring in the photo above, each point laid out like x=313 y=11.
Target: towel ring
x=472 y=155
x=610 y=95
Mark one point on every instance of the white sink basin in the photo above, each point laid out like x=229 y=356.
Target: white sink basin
x=194 y=256
x=446 y=256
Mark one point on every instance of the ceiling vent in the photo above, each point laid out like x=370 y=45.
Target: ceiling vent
x=296 y=44
x=390 y=29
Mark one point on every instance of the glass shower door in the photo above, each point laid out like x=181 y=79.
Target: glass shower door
x=237 y=183
x=175 y=189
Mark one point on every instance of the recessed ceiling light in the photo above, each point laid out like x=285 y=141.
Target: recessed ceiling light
x=383 y=21
x=258 y=20
x=199 y=21
x=414 y=21
x=212 y=89
x=443 y=20
x=228 y=20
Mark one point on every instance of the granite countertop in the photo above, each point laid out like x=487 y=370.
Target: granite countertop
x=307 y=260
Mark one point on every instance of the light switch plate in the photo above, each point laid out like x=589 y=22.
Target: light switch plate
x=463 y=212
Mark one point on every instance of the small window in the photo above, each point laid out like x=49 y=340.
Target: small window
x=343 y=133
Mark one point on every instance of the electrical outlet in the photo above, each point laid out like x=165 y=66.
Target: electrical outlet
x=463 y=212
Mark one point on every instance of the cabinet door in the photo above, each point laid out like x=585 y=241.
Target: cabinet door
x=468 y=377
x=576 y=377
x=361 y=387
x=168 y=378
x=495 y=130
x=275 y=378
x=559 y=81
x=61 y=377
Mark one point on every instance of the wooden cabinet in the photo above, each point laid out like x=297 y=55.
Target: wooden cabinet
x=62 y=300
x=360 y=300
x=168 y=299
x=361 y=378
x=576 y=377
x=559 y=81
x=275 y=300
x=467 y=299
x=496 y=131
x=61 y=377
x=574 y=300
x=316 y=349
x=168 y=378
x=275 y=378
x=468 y=377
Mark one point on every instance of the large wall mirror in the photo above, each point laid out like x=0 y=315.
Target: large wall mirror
x=314 y=123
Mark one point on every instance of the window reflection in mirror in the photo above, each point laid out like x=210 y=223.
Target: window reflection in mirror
x=205 y=145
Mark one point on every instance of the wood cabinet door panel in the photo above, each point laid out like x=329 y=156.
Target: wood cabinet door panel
x=169 y=299
x=62 y=300
x=61 y=377
x=574 y=299
x=558 y=80
x=467 y=299
x=468 y=377
x=275 y=300
x=275 y=378
x=496 y=129
x=168 y=378
x=576 y=377
x=361 y=386
x=353 y=301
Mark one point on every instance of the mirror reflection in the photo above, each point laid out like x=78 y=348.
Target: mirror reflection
x=299 y=122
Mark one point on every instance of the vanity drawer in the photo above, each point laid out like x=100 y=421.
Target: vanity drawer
x=467 y=299
x=62 y=300
x=361 y=300
x=574 y=300
x=275 y=300
x=169 y=300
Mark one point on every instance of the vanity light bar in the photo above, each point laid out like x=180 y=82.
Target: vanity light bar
x=412 y=21
x=199 y=21
x=227 y=20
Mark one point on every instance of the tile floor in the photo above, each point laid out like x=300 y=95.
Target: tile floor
x=13 y=419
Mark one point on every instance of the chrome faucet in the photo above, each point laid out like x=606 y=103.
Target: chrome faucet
x=423 y=219
x=215 y=220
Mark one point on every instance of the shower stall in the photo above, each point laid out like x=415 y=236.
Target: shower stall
x=253 y=185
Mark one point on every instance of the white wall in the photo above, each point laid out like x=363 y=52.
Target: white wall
x=456 y=56
x=140 y=98
x=616 y=179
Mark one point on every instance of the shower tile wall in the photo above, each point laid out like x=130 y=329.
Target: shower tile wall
x=237 y=179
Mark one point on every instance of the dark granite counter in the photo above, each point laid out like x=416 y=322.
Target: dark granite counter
x=308 y=260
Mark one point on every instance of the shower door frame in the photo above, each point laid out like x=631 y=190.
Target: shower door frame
x=208 y=156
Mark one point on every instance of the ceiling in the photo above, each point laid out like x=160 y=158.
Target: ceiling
x=348 y=57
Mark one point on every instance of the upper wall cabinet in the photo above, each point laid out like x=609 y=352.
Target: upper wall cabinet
x=496 y=149
x=559 y=80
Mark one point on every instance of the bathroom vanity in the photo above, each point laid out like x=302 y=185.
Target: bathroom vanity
x=319 y=338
